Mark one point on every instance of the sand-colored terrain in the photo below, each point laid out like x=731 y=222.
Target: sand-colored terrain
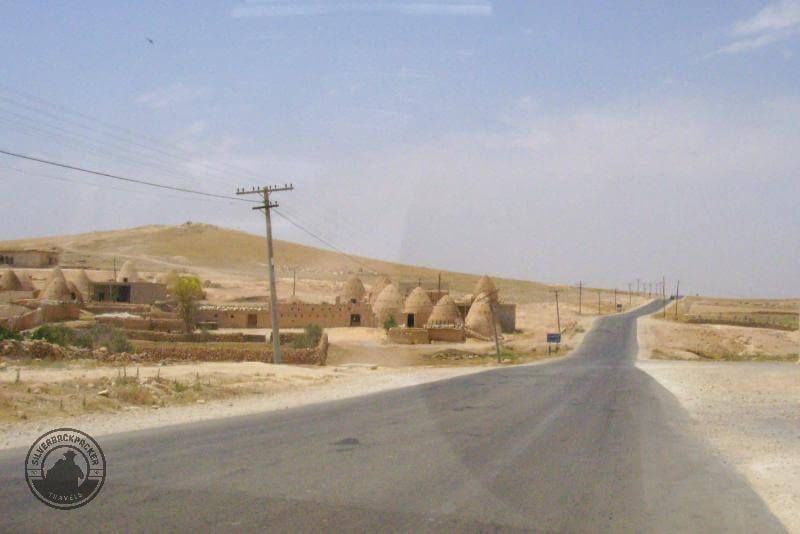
x=235 y=263
x=748 y=410
x=699 y=328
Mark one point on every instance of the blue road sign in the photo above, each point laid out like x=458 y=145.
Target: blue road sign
x=554 y=338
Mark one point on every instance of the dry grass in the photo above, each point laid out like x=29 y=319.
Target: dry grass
x=25 y=399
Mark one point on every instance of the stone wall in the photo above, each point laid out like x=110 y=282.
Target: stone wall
x=291 y=315
x=506 y=315
x=451 y=335
x=248 y=352
x=408 y=336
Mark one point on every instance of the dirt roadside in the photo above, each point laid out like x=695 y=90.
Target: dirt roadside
x=279 y=387
x=749 y=411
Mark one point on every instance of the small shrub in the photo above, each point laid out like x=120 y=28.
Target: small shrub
x=57 y=334
x=179 y=387
x=389 y=323
x=8 y=334
x=309 y=339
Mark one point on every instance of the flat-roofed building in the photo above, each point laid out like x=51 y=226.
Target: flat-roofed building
x=31 y=258
x=132 y=292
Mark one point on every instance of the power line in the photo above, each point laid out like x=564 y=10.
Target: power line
x=127 y=135
x=88 y=144
x=323 y=241
x=103 y=186
x=116 y=177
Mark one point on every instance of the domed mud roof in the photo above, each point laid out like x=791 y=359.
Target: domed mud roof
x=444 y=313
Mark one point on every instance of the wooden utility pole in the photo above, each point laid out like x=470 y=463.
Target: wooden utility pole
x=580 y=295
x=677 y=295
x=267 y=205
x=558 y=314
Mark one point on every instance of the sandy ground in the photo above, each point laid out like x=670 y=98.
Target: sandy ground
x=665 y=339
x=290 y=386
x=749 y=411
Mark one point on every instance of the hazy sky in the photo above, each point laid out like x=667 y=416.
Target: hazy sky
x=552 y=141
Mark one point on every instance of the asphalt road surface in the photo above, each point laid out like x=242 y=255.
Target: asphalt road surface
x=586 y=443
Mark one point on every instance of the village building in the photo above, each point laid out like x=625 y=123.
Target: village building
x=417 y=308
x=290 y=315
x=29 y=258
x=418 y=319
x=388 y=304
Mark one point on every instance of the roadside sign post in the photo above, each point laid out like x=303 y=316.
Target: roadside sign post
x=553 y=339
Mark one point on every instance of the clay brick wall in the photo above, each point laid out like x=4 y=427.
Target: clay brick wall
x=408 y=336
x=62 y=311
x=261 y=353
x=129 y=323
x=11 y=296
x=452 y=335
x=291 y=315
x=107 y=307
x=507 y=317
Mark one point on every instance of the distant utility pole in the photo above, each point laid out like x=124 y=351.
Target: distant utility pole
x=629 y=293
x=615 y=299
x=637 y=286
x=558 y=315
x=677 y=294
x=580 y=295
x=267 y=205
x=664 y=294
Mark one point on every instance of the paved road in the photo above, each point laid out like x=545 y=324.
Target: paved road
x=587 y=443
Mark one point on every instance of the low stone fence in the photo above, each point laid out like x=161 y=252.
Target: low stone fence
x=451 y=335
x=117 y=307
x=232 y=337
x=408 y=336
x=261 y=353
x=142 y=323
x=199 y=352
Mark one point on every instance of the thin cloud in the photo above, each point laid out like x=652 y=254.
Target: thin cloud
x=775 y=22
x=176 y=93
x=282 y=8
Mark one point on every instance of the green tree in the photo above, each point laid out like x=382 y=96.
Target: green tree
x=389 y=323
x=188 y=290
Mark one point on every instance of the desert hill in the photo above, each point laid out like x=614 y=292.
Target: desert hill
x=215 y=252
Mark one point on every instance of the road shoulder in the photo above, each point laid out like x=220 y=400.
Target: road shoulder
x=749 y=412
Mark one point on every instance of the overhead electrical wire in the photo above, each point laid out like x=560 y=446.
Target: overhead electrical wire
x=129 y=136
x=103 y=186
x=325 y=242
x=121 y=178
